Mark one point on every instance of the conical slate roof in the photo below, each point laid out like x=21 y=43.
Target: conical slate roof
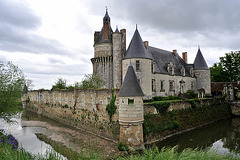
x=130 y=86
x=106 y=17
x=136 y=48
x=199 y=62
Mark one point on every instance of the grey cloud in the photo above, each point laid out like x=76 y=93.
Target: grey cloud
x=18 y=14
x=53 y=60
x=78 y=69
x=16 y=23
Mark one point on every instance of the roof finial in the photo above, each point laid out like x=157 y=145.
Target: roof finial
x=136 y=26
x=198 y=47
x=106 y=8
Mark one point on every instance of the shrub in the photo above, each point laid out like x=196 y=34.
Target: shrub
x=122 y=147
x=161 y=107
x=190 y=94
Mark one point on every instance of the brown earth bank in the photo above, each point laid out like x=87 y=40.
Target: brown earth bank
x=65 y=139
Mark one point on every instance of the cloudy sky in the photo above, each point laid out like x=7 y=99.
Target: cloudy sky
x=49 y=39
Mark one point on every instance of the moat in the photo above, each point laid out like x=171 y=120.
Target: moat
x=37 y=134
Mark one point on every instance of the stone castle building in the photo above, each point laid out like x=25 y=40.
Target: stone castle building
x=159 y=72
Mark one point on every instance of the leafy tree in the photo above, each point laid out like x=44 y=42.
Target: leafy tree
x=60 y=84
x=218 y=74
x=111 y=107
x=11 y=86
x=228 y=69
x=92 y=81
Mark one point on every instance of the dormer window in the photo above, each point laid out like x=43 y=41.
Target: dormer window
x=171 y=68
x=182 y=71
x=191 y=72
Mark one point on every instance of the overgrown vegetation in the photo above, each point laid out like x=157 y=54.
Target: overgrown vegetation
x=190 y=94
x=172 y=154
x=122 y=147
x=180 y=119
x=11 y=87
x=161 y=107
x=111 y=107
x=89 y=81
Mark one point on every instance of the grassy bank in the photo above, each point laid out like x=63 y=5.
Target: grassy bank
x=172 y=154
x=8 y=152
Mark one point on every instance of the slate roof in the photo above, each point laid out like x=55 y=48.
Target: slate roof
x=100 y=35
x=199 y=62
x=136 y=48
x=130 y=86
x=162 y=58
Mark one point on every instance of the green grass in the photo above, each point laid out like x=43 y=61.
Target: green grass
x=8 y=152
x=172 y=154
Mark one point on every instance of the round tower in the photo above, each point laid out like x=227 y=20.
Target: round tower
x=131 y=111
x=202 y=73
x=117 y=58
x=141 y=61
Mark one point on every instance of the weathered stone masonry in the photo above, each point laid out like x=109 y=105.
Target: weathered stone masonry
x=85 y=109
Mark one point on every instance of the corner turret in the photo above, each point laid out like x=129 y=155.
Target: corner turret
x=131 y=111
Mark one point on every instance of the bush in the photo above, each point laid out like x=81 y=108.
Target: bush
x=190 y=94
x=122 y=147
x=161 y=107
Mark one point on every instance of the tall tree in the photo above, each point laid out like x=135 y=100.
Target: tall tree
x=228 y=69
x=11 y=86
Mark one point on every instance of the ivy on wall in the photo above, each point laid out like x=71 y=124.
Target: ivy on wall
x=111 y=107
x=161 y=107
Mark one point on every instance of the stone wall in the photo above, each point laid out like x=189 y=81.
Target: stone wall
x=85 y=109
x=150 y=109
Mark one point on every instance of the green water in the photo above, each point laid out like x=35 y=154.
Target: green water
x=222 y=136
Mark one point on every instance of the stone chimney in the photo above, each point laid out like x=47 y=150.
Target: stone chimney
x=184 y=56
x=123 y=32
x=175 y=52
x=146 y=44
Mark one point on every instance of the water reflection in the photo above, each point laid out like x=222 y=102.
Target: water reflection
x=25 y=135
x=222 y=136
x=37 y=134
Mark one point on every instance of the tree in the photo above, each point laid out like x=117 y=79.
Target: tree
x=91 y=81
x=60 y=84
x=228 y=69
x=218 y=74
x=11 y=87
x=111 y=107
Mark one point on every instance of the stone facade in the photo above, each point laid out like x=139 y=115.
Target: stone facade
x=159 y=72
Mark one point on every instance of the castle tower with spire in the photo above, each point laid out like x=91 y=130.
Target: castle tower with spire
x=108 y=53
x=159 y=72
x=202 y=73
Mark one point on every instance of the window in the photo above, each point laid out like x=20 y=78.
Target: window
x=183 y=71
x=192 y=86
x=162 y=86
x=171 y=85
x=137 y=65
x=191 y=72
x=130 y=101
x=153 y=67
x=153 y=85
x=171 y=68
